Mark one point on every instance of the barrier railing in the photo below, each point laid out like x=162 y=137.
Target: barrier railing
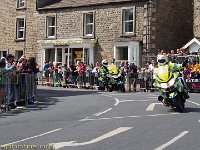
x=17 y=89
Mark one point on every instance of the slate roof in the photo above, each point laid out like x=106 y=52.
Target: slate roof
x=53 y=4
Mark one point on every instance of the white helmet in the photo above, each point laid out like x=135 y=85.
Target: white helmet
x=161 y=59
x=104 y=63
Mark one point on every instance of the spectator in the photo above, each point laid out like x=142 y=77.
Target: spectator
x=13 y=80
x=90 y=75
x=81 y=73
x=4 y=70
x=96 y=73
x=133 y=75
x=140 y=77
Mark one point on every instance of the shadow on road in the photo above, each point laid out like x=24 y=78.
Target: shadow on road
x=190 y=109
x=46 y=98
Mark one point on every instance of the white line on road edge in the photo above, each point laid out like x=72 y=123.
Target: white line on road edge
x=31 y=137
x=199 y=121
x=193 y=103
x=172 y=141
x=151 y=106
x=105 y=136
x=87 y=119
x=129 y=100
x=117 y=101
x=101 y=113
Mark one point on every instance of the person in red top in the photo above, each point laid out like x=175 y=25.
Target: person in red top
x=81 y=73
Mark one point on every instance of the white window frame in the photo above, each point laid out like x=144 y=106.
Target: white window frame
x=20 y=29
x=52 y=26
x=128 y=21
x=17 y=54
x=88 y=24
x=21 y=3
x=3 y=50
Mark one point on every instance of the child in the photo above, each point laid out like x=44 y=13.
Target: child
x=3 y=74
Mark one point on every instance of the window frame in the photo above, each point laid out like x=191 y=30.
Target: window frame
x=17 y=54
x=19 y=2
x=47 y=26
x=3 y=50
x=89 y=24
x=123 y=21
x=19 y=30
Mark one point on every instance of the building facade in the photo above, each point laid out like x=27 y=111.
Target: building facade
x=67 y=31
x=124 y=30
x=18 y=28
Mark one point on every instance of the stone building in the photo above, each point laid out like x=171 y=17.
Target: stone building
x=197 y=18
x=66 y=31
x=18 y=28
x=104 y=29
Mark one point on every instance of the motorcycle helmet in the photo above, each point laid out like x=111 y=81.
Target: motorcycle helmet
x=161 y=59
x=104 y=63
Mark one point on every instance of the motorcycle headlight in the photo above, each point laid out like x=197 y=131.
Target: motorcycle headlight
x=171 y=82
x=163 y=85
x=115 y=76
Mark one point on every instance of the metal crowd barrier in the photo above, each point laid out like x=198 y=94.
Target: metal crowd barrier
x=19 y=89
x=89 y=80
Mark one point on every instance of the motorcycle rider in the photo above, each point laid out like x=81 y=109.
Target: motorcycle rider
x=103 y=72
x=173 y=67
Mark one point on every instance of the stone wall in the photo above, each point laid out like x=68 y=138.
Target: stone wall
x=8 y=15
x=108 y=28
x=197 y=18
x=173 y=22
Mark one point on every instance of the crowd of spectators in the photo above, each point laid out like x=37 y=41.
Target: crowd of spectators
x=11 y=68
x=135 y=76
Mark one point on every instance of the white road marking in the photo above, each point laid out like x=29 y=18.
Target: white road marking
x=151 y=106
x=193 y=102
x=122 y=94
x=123 y=101
x=101 y=113
x=199 y=121
x=117 y=101
x=172 y=141
x=155 y=115
x=32 y=137
x=105 y=136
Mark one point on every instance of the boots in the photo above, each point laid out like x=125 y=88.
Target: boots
x=185 y=93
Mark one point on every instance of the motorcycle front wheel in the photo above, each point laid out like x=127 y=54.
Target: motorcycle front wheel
x=178 y=104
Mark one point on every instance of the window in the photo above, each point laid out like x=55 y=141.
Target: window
x=128 y=20
x=20 y=28
x=20 y=3
x=3 y=53
x=122 y=53
x=18 y=54
x=59 y=55
x=50 y=55
x=50 y=26
x=89 y=24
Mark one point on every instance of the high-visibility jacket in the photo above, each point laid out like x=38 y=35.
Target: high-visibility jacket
x=173 y=67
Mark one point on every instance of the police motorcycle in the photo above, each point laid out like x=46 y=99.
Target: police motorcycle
x=167 y=82
x=115 y=79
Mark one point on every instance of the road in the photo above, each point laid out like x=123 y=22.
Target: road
x=73 y=119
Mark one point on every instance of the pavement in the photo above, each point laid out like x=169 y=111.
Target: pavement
x=84 y=119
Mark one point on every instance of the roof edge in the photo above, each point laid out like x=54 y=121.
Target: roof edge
x=88 y=5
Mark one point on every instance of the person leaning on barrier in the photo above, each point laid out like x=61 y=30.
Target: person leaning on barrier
x=3 y=75
x=173 y=67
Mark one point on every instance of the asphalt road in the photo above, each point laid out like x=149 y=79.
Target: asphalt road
x=72 y=119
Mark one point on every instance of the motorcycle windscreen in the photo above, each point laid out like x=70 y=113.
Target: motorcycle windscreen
x=163 y=74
